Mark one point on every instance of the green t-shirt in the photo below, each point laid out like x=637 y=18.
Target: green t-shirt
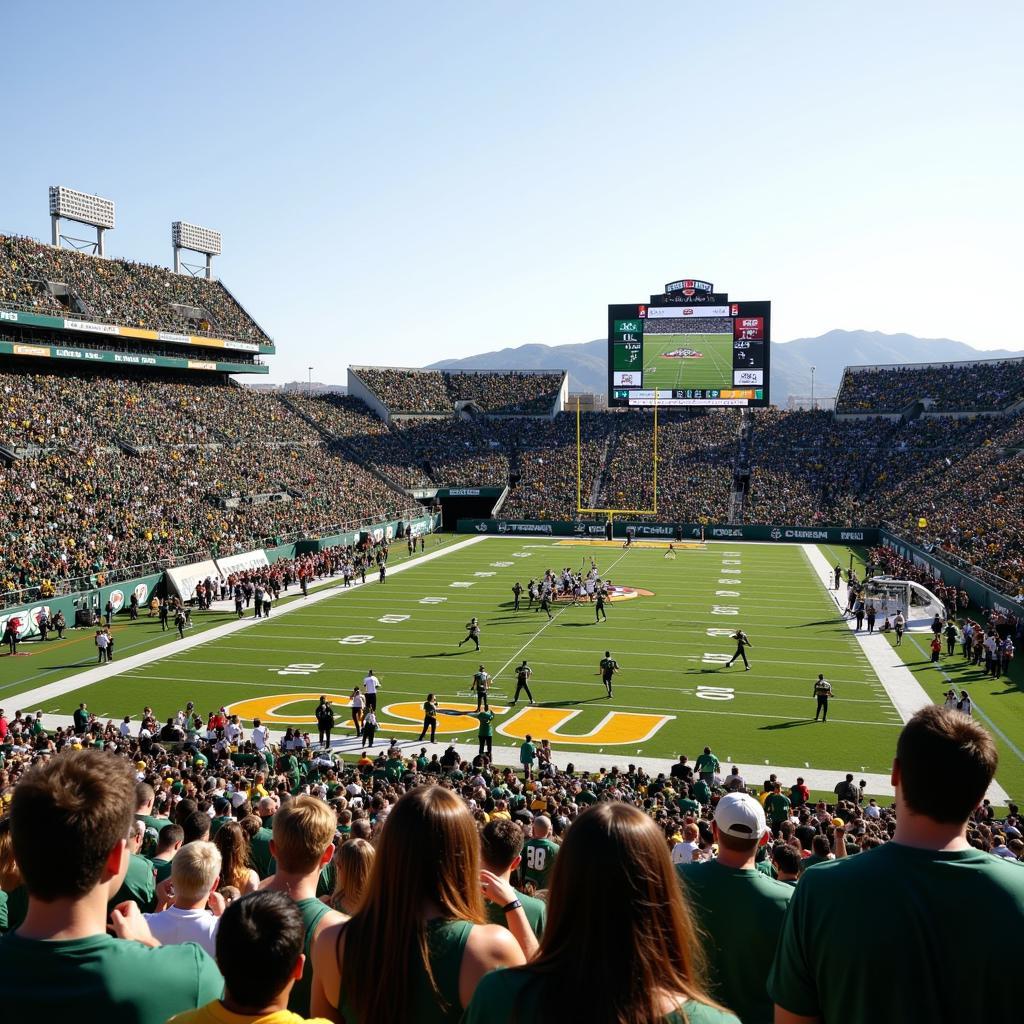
x=706 y=764
x=507 y=997
x=259 y=850
x=741 y=912
x=538 y=860
x=216 y=824
x=161 y=869
x=101 y=979
x=13 y=908
x=776 y=808
x=138 y=885
x=485 y=718
x=688 y=806
x=586 y=796
x=527 y=753
x=817 y=971
x=702 y=792
x=536 y=912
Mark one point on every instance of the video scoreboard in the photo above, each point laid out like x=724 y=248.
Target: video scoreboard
x=689 y=346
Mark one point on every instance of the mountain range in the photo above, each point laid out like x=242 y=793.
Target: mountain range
x=790 y=368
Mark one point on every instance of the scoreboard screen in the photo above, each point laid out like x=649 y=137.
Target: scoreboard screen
x=689 y=347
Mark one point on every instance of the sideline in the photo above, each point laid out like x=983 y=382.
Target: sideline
x=904 y=689
x=35 y=698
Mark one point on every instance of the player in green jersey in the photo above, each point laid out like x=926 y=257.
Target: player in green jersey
x=608 y=667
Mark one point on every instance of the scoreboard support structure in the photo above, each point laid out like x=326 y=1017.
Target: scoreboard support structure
x=611 y=513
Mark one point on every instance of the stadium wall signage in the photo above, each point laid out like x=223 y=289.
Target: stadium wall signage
x=125 y=358
x=469 y=492
x=26 y=618
x=58 y=323
x=672 y=531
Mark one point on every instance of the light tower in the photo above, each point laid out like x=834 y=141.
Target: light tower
x=82 y=208
x=194 y=239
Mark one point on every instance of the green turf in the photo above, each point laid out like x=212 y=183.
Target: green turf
x=713 y=369
x=662 y=643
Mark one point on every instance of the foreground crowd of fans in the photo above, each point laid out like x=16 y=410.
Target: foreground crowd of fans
x=118 y=292
x=149 y=871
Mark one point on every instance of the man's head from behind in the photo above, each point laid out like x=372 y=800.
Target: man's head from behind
x=69 y=821
x=304 y=835
x=541 y=826
x=194 y=871
x=939 y=744
x=740 y=824
x=259 y=949
x=501 y=845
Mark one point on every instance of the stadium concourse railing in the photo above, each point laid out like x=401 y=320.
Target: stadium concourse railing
x=984 y=588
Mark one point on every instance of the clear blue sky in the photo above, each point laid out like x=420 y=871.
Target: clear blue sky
x=404 y=182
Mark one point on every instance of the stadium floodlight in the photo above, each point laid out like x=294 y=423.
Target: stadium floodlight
x=82 y=208
x=195 y=239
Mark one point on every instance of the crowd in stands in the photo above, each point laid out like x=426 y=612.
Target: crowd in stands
x=499 y=393
x=456 y=452
x=217 y=468
x=545 y=460
x=119 y=292
x=955 y=387
x=695 y=465
x=123 y=471
x=533 y=897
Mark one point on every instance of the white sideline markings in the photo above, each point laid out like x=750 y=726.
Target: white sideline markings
x=908 y=696
x=37 y=697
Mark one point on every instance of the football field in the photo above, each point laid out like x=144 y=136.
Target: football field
x=669 y=627
x=710 y=367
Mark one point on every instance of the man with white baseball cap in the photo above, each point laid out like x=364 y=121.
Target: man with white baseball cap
x=738 y=909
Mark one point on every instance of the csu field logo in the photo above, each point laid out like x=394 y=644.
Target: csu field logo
x=406 y=718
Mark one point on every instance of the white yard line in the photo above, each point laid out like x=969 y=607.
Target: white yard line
x=907 y=694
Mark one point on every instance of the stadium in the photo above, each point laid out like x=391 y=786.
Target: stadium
x=196 y=564
x=454 y=695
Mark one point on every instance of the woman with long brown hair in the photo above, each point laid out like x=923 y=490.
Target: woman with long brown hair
x=418 y=946
x=236 y=869
x=619 y=946
x=353 y=861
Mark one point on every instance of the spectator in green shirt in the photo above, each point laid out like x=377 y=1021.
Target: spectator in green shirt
x=527 y=755
x=927 y=876
x=706 y=766
x=70 y=817
x=738 y=908
x=501 y=848
x=486 y=732
x=619 y=945
x=776 y=807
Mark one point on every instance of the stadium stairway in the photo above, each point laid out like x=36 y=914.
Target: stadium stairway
x=303 y=415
